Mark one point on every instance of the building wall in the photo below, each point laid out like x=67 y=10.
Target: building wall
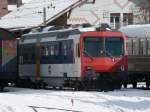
x=3 y=7
x=116 y=13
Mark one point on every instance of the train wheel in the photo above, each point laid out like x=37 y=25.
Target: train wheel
x=134 y=84
x=117 y=85
x=77 y=85
x=147 y=84
x=1 y=88
x=125 y=85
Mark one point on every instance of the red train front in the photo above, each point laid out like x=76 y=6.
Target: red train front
x=104 y=59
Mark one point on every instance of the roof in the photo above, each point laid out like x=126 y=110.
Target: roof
x=31 y=13
x=5 y=34
x=139 y=31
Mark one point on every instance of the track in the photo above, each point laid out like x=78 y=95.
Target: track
x=35 y=109
x=32 y=100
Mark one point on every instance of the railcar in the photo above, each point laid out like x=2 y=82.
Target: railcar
x=69 y=57
x=138 y=53
x=8 y=58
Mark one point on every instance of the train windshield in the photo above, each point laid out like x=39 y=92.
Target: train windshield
x=103 y=46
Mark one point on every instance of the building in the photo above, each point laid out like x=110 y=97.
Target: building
x=13 y=4
x=36 y=14
x=8 y=5
x=39 y=13
x=116 y=13
x=3 y=7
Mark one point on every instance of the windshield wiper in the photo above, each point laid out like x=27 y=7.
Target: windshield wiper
x=87 y=54
x=108 y=53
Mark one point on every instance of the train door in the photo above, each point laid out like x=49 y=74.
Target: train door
x=27 y=68
x=77 y=59
x=67 y=58
x=37 y=62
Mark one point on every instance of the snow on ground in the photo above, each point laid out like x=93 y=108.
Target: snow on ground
x=30 y=100
x=26 y=1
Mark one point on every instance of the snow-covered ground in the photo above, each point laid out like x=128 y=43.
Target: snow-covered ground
x=26 y=1
x=30 y=100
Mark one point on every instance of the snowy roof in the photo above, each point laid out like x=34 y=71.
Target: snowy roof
x=139 y=31
x=31 y=14
x=12 y=7
x=26 y=1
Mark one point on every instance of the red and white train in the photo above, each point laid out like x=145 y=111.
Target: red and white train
x=69 y=57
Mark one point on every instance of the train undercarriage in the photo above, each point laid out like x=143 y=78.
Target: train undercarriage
x=135 y=77
x=99 y=81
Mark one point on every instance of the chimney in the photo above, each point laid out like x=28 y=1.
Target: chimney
x=19 y=3
x=3 y=7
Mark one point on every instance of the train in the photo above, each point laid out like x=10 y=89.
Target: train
x=72 y=57
x=8 y=58
x=138 y=53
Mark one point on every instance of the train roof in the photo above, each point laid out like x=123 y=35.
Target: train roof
x=64 y=32
x=58 y=33
x=138 y=31
x=5 y=34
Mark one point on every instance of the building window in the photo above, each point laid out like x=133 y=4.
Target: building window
x=127 y=19
x=115 y=20
x=12 y=2
x=90 y=1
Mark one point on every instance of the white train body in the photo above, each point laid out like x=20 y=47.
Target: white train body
x=67 y=68
x=138 y=31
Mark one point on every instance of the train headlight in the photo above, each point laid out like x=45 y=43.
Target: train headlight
x=120 y=68
x=88 y=68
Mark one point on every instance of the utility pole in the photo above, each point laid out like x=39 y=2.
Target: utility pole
x=149 y=10
x=44 y=15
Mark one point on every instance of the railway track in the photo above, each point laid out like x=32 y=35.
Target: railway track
x=35 y=109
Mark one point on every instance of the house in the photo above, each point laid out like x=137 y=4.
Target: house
x=116 y=13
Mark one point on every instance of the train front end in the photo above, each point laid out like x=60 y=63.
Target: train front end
x=8 y=58
x=104 y=59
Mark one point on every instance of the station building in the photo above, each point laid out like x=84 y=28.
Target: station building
x=116 y=13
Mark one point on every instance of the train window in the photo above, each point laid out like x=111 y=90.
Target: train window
x=135 y=46
x=46 y=51
x=67 y=51
x=148 y=46
x=27 y=54
x=114 y=46
x=103 y=46
x=58 y=52
x=0 y=51
x=42 y=50
x=64 y=47
x=93 y=46
x=143 y=47
x=129 y=44
x=51 y=50
x=77 y=50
